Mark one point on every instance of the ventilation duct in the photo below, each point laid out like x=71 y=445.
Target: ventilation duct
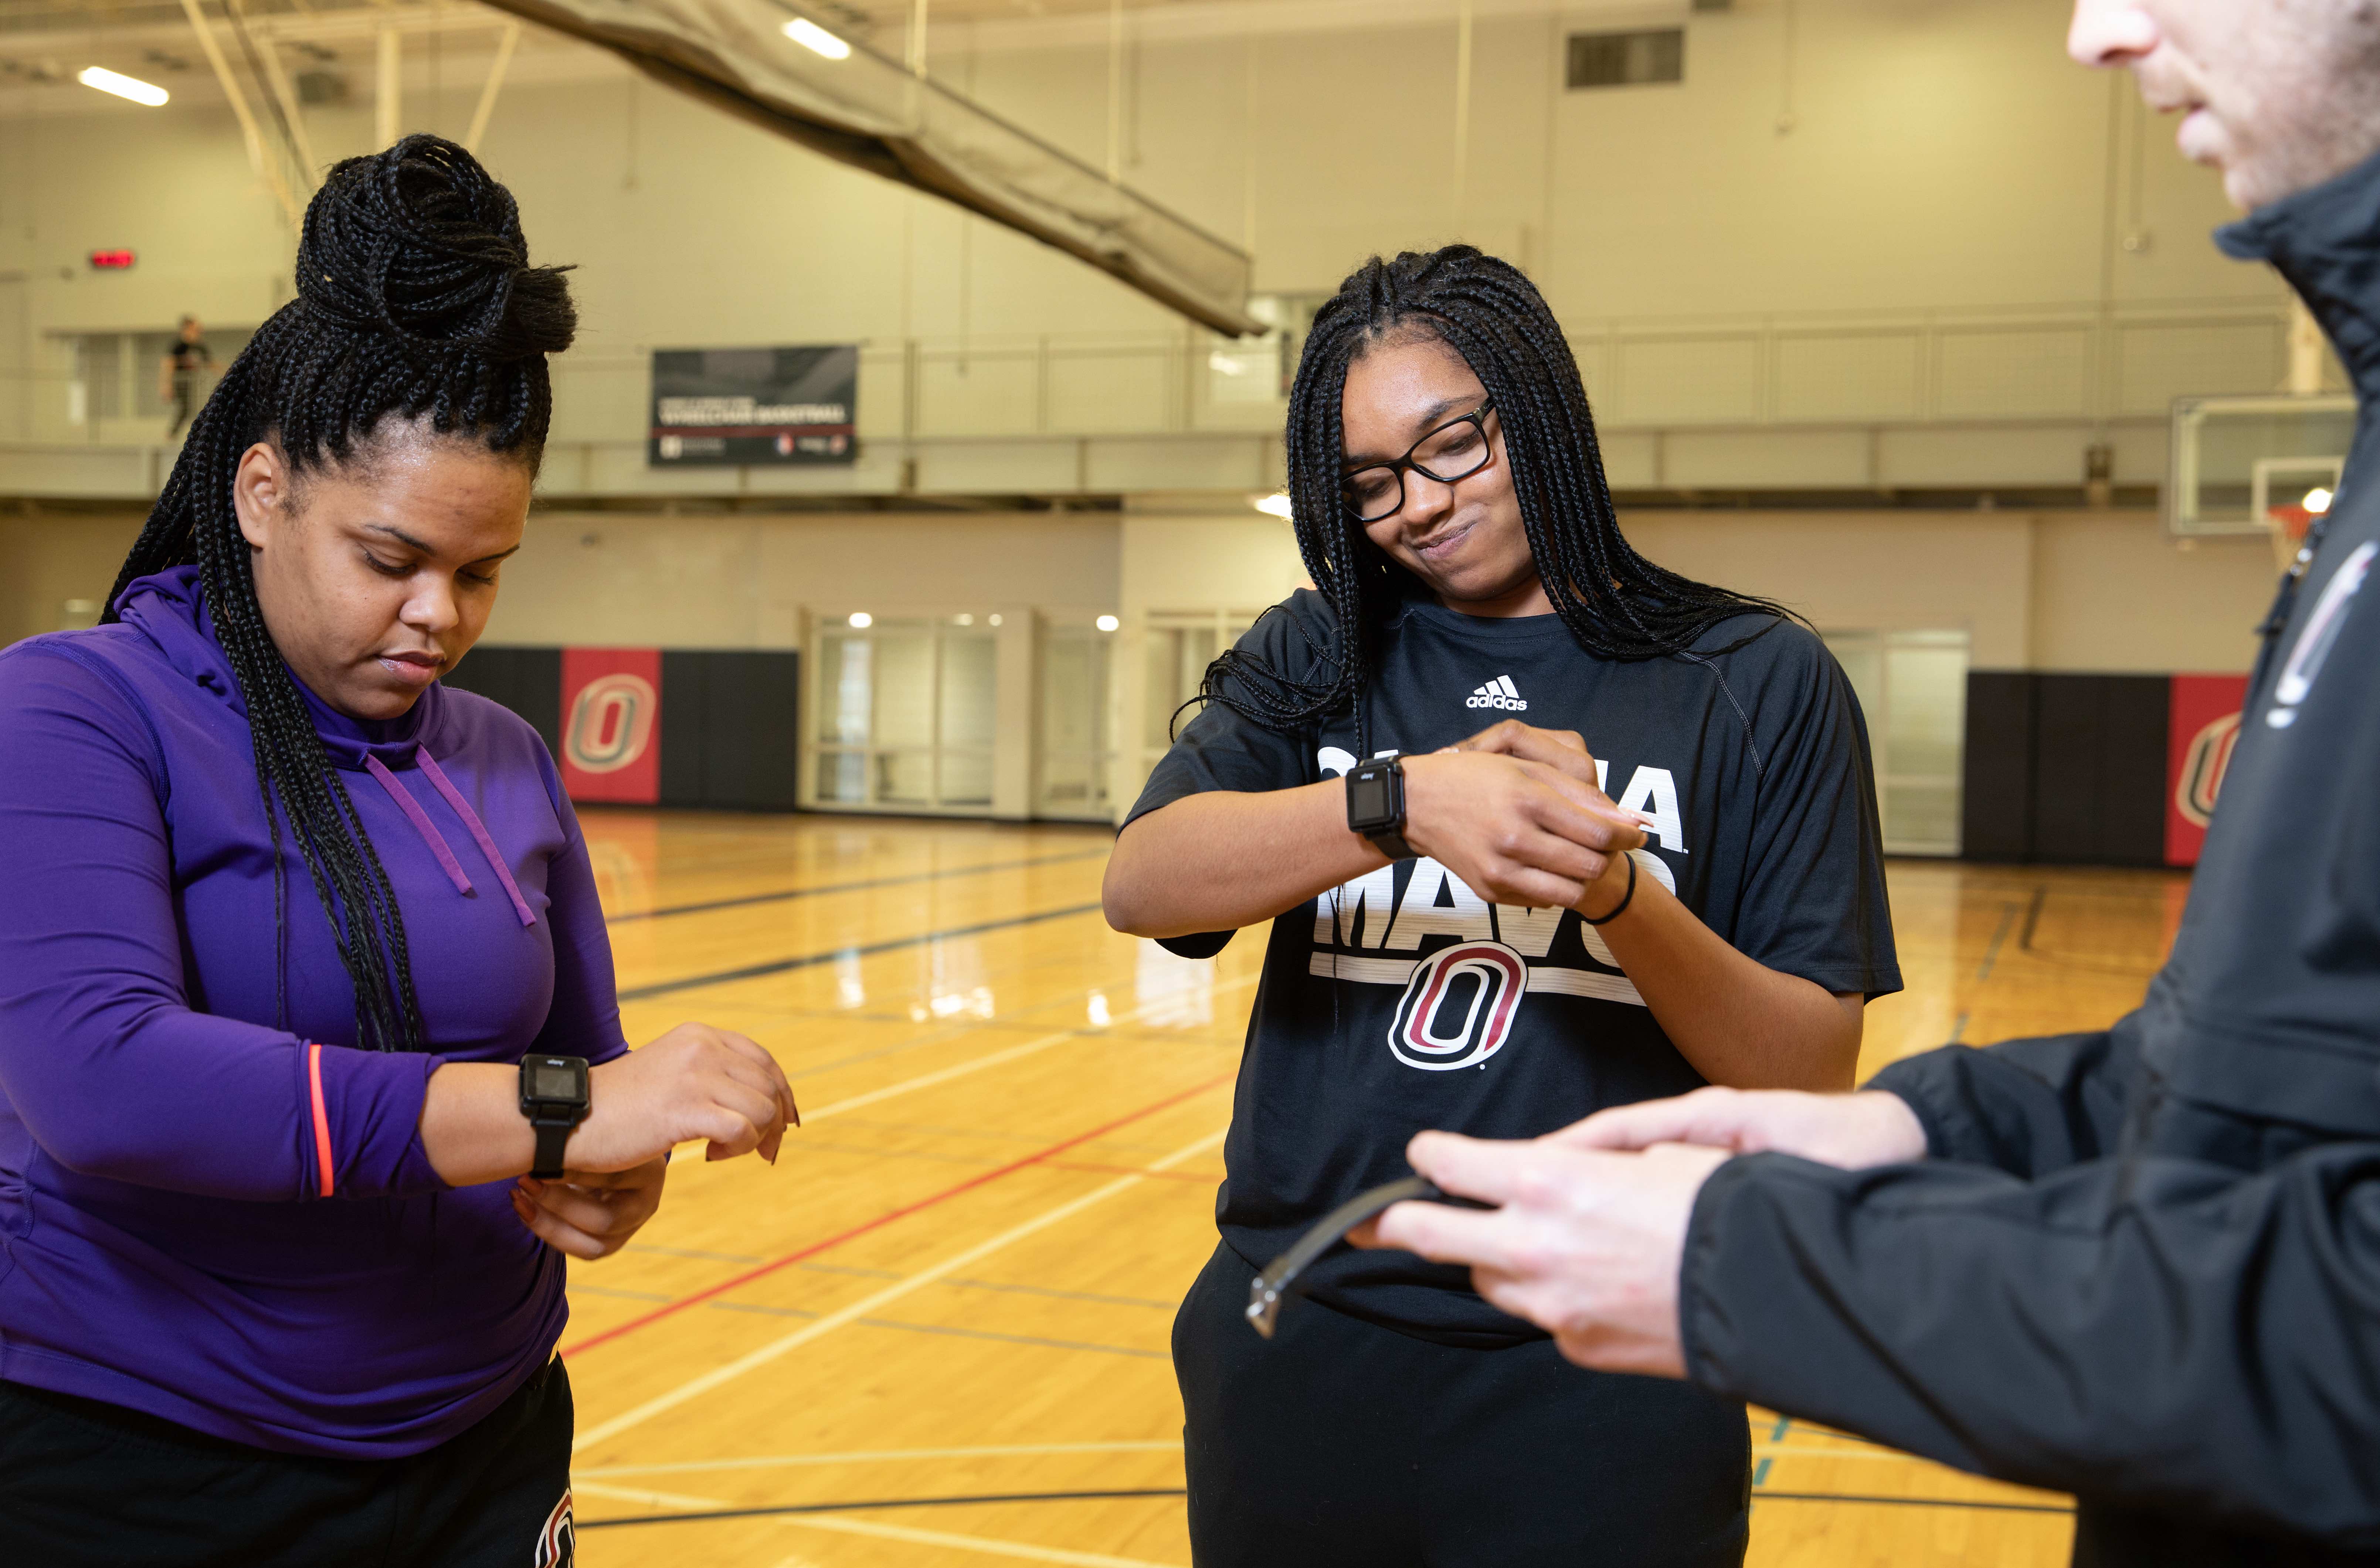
x=874 y=113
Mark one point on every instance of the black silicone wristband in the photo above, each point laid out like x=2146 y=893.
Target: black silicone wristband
x=1625 y=899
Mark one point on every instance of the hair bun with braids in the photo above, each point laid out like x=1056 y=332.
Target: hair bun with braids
x=419 y=244
x=415 y=302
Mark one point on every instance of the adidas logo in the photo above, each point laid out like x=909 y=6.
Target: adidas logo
x=1498 y=693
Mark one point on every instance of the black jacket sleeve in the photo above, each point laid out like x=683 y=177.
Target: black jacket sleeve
x=2027 y=1107
x=2162 y=1334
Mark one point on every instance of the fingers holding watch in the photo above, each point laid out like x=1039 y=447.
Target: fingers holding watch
x=1515 y=831
x=694 y=1083
x=591 y=1214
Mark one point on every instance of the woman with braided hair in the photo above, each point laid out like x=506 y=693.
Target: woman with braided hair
x=1656 y=867
x=311 y=1063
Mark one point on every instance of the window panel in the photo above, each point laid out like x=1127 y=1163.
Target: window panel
x=904 y=687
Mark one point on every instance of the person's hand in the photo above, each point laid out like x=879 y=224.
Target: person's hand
x=1586 y=1244
x=591 y=1214
x=694 y=1082
x=1850 y=1131
x=1515 y=813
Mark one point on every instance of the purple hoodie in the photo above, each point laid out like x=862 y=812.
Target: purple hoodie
x=213 y=1208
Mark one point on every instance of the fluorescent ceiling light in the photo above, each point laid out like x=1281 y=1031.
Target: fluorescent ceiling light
x=816 y=39
x=122 y=86
x=2317 y=501
x=1276 y=505
x=861 y=620
x=1108 y=623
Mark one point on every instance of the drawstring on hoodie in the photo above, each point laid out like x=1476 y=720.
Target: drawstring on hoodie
x=436 y=841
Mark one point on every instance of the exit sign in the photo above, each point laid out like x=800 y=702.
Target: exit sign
x=112 y=261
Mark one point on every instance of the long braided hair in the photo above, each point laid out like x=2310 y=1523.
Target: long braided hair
x=415 y=302
x=1615 y=603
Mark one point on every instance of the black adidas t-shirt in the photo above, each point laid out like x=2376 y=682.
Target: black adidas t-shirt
x=1505 y=1022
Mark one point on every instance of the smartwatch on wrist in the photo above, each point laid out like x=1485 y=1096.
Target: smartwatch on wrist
x=553 y=1095
x=1376 y=805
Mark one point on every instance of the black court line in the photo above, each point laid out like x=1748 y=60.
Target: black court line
x=1992 y=955
x=881 y=1502
x=2032 y=917
x=789 y=894
x=867 y=950
x=1914 y=1501
x=1178 y=1491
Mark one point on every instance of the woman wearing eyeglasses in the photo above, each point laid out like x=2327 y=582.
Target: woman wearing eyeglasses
x=1541 y=827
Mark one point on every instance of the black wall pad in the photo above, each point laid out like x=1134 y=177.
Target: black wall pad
x=731 y=737
x=1996 y=802
x=2065 y=769
x=2099 y=764
x=527 y=680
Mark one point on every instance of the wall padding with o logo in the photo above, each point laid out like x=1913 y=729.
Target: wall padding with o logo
x=612 y=724
x=2205 y=727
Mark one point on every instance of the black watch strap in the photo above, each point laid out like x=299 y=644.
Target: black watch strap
x=1391 y=843
x=552 y=1137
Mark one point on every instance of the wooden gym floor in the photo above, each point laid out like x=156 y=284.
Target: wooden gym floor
x=936 y=1332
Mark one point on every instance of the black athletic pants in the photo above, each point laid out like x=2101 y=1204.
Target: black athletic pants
x=88 y=1485
x=1337 y=1442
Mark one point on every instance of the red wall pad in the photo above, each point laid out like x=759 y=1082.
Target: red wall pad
x=2199 y=740
x=612 y=724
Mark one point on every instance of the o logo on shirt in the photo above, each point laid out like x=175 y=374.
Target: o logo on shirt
x=611 y=722
x=1457 y=1010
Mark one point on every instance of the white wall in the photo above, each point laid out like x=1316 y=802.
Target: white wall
x=638 y=579
x=2097 y=591
x=2102 y=591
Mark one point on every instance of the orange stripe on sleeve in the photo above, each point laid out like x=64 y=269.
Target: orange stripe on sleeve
x=321 y=1119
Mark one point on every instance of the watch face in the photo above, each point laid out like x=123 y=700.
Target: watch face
x=548 y=1082
x=1368 y=797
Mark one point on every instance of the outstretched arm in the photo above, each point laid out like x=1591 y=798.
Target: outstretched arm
x=1518 y=831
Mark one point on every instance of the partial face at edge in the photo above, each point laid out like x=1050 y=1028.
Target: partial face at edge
x=376 y=577
x=1463 y=540
x=2277 y=95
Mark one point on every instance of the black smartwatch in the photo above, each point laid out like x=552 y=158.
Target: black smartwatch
x=555 y=1097
x=1376 y=805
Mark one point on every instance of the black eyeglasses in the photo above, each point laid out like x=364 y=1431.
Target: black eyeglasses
x=1455 y=450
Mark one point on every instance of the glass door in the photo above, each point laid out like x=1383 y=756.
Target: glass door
x=906 y=715
x=1912 y=687
x=1072 y=754
x=1176 y=648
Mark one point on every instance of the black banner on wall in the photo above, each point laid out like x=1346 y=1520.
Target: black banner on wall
x=719 y=407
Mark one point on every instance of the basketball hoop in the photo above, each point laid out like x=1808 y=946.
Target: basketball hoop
x=2309 y=482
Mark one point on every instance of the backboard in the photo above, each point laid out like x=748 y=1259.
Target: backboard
x=2247 y=465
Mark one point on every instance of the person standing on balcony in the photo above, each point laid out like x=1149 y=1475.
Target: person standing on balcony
x=187 y=360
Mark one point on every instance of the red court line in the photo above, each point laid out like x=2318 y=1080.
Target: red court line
x=790 y=1259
